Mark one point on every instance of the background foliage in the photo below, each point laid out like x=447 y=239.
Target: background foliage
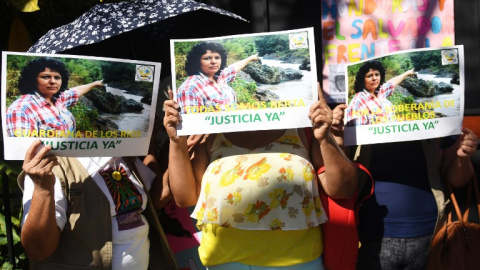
x=8 y=172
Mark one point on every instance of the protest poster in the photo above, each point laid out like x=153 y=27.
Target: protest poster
x=244 y=82
x=355 y=30
x=81 y=106
x=419 y=94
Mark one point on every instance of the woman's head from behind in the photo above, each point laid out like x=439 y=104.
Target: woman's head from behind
x=27 y=83
x=194 y=61
x=371 y=68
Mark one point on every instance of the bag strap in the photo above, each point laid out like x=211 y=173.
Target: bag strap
x=455 y=205
x=472 y=188
x=472 y=185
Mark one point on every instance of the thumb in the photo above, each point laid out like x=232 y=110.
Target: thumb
x=170 y=94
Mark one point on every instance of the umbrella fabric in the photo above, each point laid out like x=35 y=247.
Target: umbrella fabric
x=107 y=20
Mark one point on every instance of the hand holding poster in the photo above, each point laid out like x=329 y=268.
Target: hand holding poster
x=80 y=106
x=411 y=95
x=245 y=82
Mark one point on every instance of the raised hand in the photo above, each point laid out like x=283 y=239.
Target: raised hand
x=410 y=72
x=467 y=143
x=321 y=116
x=172 y=117
x=39 y=165
x=337 y=122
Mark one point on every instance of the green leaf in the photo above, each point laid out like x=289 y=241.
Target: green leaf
x=3 y=241
x=7 y=266
x=3 y=226
x=31 y=6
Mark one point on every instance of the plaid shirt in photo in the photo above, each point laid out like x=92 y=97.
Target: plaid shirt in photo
x=33 y=112
x=365 y=107
x=199 y=90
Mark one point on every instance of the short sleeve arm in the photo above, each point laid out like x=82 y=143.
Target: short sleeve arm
x=60 y=202
x=69 y=97
x=228 y=74
x=386 y=90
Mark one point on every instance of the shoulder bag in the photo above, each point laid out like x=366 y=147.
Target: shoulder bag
x=457 y=244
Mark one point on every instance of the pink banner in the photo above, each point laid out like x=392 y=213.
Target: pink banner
x=355 y=30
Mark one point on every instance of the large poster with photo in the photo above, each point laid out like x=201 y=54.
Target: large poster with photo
x=409 y=95
x=355 y=30
x=244 y=82
x=80 y=106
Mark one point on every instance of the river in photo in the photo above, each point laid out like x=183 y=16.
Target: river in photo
x=133 y=121
x=444 y=99
x=290 y=90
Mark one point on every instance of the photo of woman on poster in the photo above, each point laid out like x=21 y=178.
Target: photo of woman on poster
x=253 y=80
x=370 y=104
x=45 y=99
x=78 y=105
x=209 y=75
x=406 y=95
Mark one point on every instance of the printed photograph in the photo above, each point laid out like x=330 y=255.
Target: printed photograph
x=409 y=95
x=63 y=99
x=244 y=73
x=336 y=84
x=404 y=87
x=77 y=98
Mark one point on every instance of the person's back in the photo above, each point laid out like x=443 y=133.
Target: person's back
x=397 y=223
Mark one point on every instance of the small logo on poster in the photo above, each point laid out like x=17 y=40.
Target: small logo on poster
x=449 y=57
x=298 y=41
x=144 y=73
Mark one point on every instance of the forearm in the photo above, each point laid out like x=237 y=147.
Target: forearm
x=459 y=171
x=83 y=89
x=40 y=234
x=243 y=63
x=180 y=175
x=399 y=79
x=338 y=136
x=340 y=177
x=159 y=192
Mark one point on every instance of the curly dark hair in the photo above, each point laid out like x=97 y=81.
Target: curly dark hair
x=364 y=69
x=27 y=83
x=192 y=65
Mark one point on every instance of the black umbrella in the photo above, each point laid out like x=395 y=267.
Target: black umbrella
x=104 y=21
x=139 y=30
